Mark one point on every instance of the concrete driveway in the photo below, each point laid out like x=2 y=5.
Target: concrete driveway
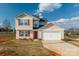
x=62 y=48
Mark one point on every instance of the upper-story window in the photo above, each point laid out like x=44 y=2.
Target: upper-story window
x=23 y=22
x=36 y=23
x=42 y=23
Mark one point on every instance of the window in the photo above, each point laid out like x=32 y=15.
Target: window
x=24 y=33
x=21 y=33
x=25 y=22
x=41 y=23
x=36 y=23
x=21 y=22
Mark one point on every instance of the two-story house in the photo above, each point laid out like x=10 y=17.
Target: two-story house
x=28 y=26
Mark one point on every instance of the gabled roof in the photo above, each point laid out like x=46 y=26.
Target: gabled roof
x=50 y=25
x=22 y=15
x=35 y=16
x=25 y=14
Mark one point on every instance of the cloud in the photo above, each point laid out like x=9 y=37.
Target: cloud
x=62 y=20
x=69 y=20
x=72 y=22
x=47 y=7
x=74 y=18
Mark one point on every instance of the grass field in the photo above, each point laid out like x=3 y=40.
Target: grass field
x=9 y=46
x=71 y=36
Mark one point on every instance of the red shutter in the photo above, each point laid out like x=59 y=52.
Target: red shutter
x=18 y=21
x=28 y=22
x=29 y=32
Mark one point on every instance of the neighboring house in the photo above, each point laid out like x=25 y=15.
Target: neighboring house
x=28 y=26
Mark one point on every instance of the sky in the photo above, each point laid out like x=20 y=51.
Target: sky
x=60 y=13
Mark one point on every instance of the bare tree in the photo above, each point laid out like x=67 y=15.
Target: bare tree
x=6 y=24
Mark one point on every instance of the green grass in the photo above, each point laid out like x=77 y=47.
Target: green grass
x=70 y=36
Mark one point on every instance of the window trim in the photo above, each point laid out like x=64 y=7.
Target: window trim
x=21 y=22
x=24 y=21
x=24 y=33
x=20 y=33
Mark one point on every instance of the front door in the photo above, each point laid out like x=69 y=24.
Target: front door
x=35 y=34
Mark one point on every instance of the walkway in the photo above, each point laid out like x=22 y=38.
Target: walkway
x=62 y=48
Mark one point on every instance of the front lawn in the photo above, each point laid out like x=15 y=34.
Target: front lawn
x=9 y=46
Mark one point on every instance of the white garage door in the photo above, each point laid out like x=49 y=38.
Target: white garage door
x=51 y=35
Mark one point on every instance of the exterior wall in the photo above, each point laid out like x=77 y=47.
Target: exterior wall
x=17 y=34
x=39 y=35
x=62 y=35
x=18 y=37
x=24 y=27
x=31 y=34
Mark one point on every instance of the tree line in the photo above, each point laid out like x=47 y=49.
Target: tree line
x=6 y=26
